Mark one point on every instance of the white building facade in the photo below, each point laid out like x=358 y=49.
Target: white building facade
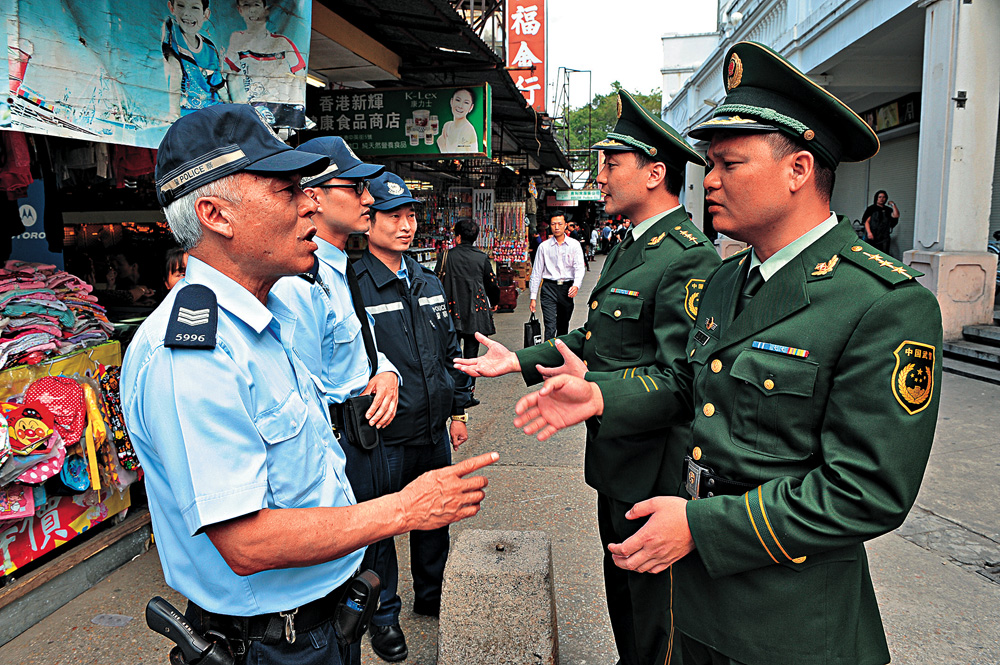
x=926 y=75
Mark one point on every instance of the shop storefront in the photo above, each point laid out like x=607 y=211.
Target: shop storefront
x=89 y=247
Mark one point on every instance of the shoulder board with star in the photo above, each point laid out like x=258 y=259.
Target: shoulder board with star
x=685 y=233
x=888 y=268
x=194 y=319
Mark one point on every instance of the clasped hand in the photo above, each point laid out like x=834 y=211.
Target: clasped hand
x=662 y=540
x=385 y=385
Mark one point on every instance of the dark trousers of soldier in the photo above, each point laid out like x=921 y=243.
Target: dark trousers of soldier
x=557 y=307
x=696 y=653
x=640 y=605
x=428 y=549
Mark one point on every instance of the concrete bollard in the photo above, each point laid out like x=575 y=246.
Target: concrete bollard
x=497 y=603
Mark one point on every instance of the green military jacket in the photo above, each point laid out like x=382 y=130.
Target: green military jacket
x=833 y=443
x=639 y=317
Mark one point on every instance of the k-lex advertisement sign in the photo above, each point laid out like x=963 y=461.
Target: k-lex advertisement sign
x=400 y=122
x=122 y=71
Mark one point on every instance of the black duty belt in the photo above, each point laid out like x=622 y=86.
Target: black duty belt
x=701 y=482
x=270 y=628
x=338 y=419
x=558 y=282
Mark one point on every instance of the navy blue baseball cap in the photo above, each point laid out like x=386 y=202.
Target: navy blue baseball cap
x=343 y=162
x=220 y=140
x=389 y=192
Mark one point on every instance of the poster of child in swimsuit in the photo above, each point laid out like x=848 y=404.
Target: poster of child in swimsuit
x=137 y=66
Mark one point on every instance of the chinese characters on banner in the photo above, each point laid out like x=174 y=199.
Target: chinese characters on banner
x=397 y=122
x=526 y=49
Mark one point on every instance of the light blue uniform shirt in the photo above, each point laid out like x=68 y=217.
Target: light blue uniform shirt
x=328 y=337
x=225 y=432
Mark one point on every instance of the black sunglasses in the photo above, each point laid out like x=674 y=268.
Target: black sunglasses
x=359 y=186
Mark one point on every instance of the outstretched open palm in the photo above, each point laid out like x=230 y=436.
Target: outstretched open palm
x=497 y=361
x=563 y=401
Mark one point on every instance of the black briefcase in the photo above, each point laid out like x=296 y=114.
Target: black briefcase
x=532 y=331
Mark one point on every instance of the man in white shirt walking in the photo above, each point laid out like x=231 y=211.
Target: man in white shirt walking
x=558 y=271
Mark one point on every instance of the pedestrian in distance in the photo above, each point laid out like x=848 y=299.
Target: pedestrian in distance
x=879 y=219
x=556 y=276
x=471 y=288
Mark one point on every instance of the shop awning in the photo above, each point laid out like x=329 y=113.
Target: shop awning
x=437 y=47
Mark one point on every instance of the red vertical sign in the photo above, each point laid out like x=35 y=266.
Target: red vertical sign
x=526 y=49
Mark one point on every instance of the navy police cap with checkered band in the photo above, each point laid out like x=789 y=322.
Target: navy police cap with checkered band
x=343 y=162
x=221 y=140
x=389 y=192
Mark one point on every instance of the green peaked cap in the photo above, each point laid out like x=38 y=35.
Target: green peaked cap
x=639 y=130
x=765 y=92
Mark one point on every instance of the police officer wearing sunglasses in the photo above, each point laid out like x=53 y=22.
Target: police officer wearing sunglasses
x=255 y=520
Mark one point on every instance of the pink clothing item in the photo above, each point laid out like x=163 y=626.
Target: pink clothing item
x=46 y=468
x=63 y=397
x=15 y=175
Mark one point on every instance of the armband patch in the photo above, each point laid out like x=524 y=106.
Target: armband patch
x=913 y=376
x=692 y=296
x=194 y=319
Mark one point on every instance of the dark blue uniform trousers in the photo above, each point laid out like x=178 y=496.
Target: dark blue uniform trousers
x=428 y=549
x=317 y=647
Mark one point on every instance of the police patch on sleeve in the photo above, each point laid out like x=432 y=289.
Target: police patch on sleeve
x=194 y=319
x=913 y=377
x=692 y=296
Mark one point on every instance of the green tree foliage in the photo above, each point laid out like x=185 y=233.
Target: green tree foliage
x=600 y=117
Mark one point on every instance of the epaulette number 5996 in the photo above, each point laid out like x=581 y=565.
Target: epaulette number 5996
x=189 y=337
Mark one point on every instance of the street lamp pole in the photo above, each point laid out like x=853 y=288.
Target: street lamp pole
x=590 y=113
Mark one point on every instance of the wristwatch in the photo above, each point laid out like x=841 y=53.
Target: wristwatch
x=464 y=418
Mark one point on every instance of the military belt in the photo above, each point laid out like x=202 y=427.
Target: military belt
x=702 y=482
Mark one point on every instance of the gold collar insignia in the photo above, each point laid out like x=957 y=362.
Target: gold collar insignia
x=826 y=267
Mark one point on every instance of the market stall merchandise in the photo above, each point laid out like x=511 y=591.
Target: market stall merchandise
x=65 y=463
x=46 y=312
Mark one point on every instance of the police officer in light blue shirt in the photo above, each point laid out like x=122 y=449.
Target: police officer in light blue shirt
x=254 y=519
x=335 y=336
x=330 y=337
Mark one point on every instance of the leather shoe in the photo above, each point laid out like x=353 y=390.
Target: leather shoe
x=427 y=608
x=473 y=402
x=388 y=642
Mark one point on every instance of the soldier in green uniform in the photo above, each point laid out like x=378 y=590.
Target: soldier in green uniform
x=816 y=365
x=639 y=317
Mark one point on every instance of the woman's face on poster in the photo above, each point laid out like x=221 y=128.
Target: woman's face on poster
x=461 y=103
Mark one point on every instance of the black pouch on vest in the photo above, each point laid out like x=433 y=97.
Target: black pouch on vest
x=359 y=431
x=355 y=609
